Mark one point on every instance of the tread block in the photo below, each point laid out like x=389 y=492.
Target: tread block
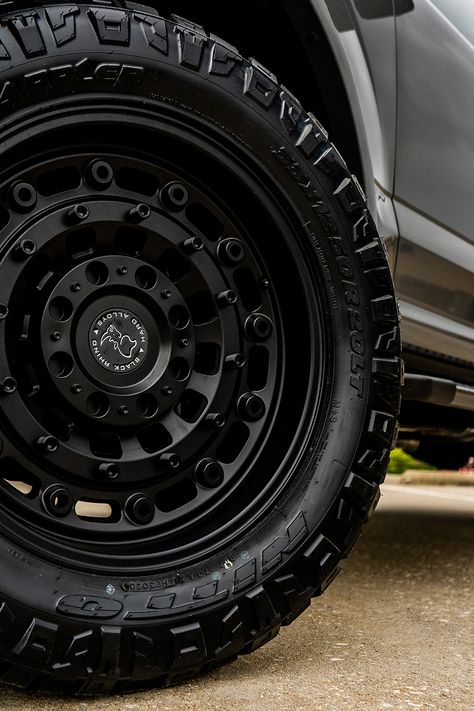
x=4 y=54
x=111 y=26
x=232 y=633
x=323 y=555
x=382 y=426
x=189 y=647
x=360 y=491
x=295 y=594
x=381 y=276
x=349 y=195
x=372 y=252
x=389 y=341
x=190 y=46
x=385 y=310
x=224 y=59
x=62 y=21
x=155 y=31
x=245 y=576
x=272 y=555
x=35 y=647
x=25 y=29
x=259 y=87
x=389 y=368
x=73 y=659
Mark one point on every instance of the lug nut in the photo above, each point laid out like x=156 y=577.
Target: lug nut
x=47 y=444
x=99 y=174
x=109 y=470
x=174 y=196
x=8 y=386
x=184 y=343
x=231 y=252
x=170 y=460
x=193 y=244
x=209 y=473
x=25 y=249
x=140 y=509
x=139 y=213
x=58 y=500
x=258 y=327
x=216 y=419
x=123 y=410
x=56 y=336
x=226 y=298
x=76 y=389
x=235 y=361
x=167 y=390
x=265 y=283
x=23 y=197
x=166 y=294
x=78 y=213
x=75 y=287
x=3 y=312
x=121 y=271
x=251 y=407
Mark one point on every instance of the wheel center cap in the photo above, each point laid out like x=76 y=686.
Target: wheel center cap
x=118 y=341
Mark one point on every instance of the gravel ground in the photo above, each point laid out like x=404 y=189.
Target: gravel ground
x=394 y=631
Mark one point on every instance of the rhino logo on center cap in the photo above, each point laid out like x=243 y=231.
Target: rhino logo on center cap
x=123 y=344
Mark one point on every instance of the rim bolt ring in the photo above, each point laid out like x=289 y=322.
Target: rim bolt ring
x=8 y=386
x=47 y=444
x=192 y=245
x=226 y=298
x=216 y=420
x=258 y=327
x=78 y=213
x=99 y=174
x=3 y=312
x=251 y=407
x=23 y=197
x=170 y=460
x=235 y=361
x=140 y=509
x=109 y=470
x=209 y=473
x=25 y=249
x=231 y=252
x=139 y=213
x=174 y=196
x=58 y=500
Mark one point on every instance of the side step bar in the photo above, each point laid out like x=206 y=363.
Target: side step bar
x=437 y=391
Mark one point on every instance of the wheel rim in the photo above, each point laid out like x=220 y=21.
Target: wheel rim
x=146 y=327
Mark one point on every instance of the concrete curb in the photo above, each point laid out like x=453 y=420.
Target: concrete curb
x=434 y=478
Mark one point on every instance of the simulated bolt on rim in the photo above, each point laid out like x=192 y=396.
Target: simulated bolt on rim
x=151 y=390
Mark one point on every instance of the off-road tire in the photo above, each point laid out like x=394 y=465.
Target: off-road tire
x=77 y=616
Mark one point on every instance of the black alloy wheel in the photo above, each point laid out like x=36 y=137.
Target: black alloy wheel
x=200 y=367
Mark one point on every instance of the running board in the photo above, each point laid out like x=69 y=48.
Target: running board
x=438 y=391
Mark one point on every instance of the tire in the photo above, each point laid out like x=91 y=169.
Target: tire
x=201 y=357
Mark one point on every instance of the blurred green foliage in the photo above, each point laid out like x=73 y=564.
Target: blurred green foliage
x=400 y=461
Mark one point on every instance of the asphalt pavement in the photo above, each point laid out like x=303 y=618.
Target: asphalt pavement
x=394 y=631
